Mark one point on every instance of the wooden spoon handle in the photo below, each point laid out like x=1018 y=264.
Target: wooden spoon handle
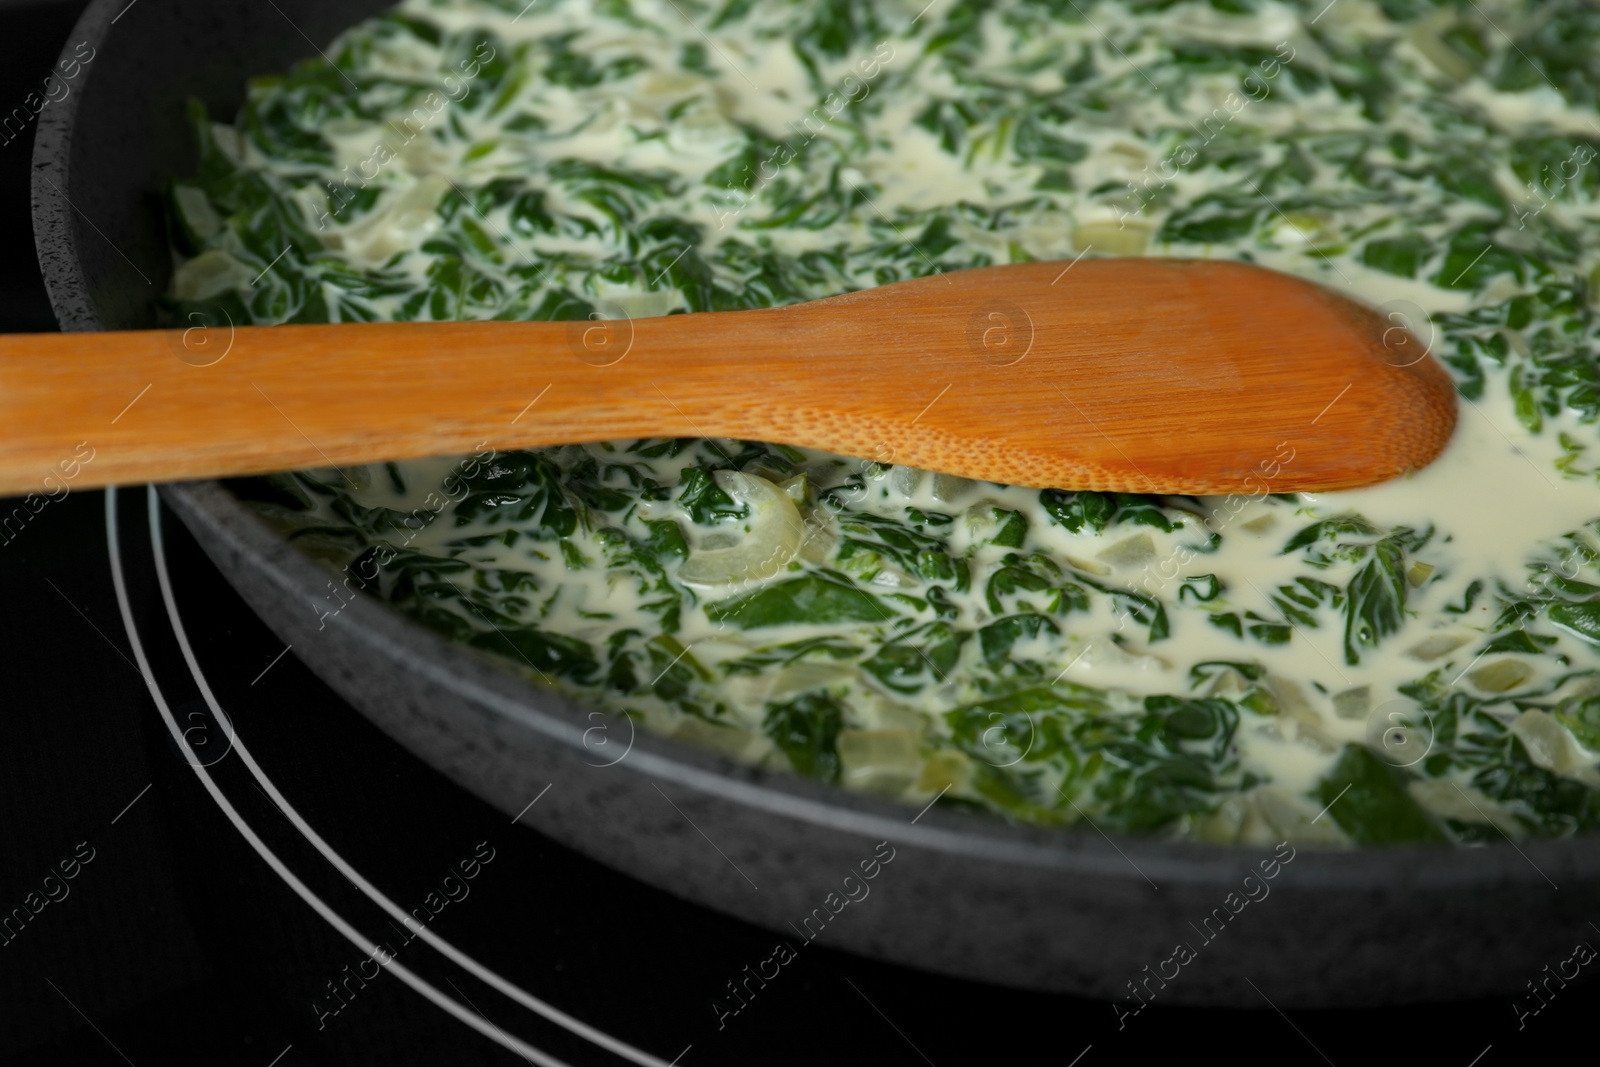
x=152 y=407
x=1138 y=375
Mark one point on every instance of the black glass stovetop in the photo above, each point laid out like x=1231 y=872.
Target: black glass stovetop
x=203 y=897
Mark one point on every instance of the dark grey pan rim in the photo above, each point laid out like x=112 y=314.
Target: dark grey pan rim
x=211 y=510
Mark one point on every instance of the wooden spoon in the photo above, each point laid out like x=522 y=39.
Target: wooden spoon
x=1141 y=375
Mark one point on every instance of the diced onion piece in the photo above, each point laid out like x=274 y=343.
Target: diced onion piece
x=1353 y=703
x=904 y=480
x=400 y=221
x=809 y=674
x=818 y=543
x=980 y=515
x=747 y=689
x=702 y=129
x=1451 y=800
x=209 y=274
x=229 y=141
x=1261 y=523
x=325 y=544
x=772 y=536
x=1501 y=676
x=1290 y=819
x=1313 y=734
x=891 y=715
x=1111 y=237
x=1227 y=683
x=1418 y=573
x=949 y=486
x=1292 y=700
x=196 y=216
x=1551 y=746
x=1129 y=552
x=880 y=760
x=861 y=749
x=795 y=488
x=1433 y=647
x=638 y=303
x=947 y=769
x=730 y=740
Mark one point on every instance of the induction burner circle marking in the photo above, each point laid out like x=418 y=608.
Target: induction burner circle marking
x=474 y=1020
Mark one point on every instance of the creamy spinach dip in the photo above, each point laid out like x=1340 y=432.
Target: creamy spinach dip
x=1412 y=662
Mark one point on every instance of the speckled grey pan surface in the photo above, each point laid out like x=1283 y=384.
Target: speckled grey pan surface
x=966 y=895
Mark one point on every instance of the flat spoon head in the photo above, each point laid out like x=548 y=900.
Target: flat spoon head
x=1139 y=375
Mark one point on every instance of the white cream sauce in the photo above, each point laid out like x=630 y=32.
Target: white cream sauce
x=1492 y=498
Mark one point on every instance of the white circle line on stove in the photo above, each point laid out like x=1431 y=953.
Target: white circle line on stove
x=373 y=893
x=328 y=915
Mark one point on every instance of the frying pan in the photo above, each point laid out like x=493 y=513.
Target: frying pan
x=1066 y=910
